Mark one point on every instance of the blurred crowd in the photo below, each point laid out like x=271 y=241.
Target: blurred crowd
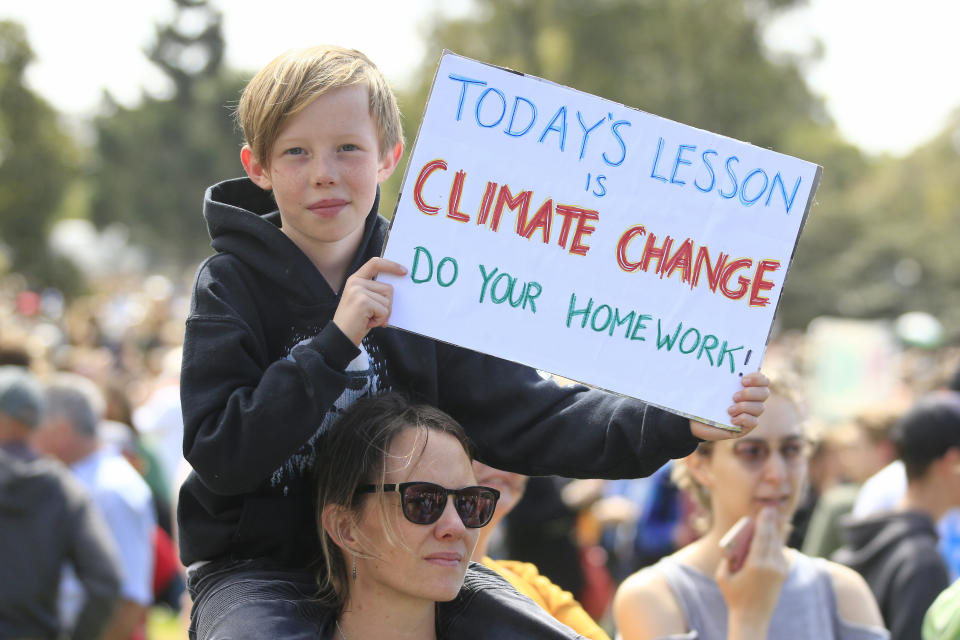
x=109 y=364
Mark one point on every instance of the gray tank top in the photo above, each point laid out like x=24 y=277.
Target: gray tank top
x=807 y=607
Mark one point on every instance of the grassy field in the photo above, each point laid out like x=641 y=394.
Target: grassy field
x=163 y=624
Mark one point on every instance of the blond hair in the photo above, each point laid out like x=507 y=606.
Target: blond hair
x=294 y=79
x=782 y=385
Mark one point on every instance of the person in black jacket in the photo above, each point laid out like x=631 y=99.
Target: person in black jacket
x=47 y=521
x=287 y=328
x=896 y=552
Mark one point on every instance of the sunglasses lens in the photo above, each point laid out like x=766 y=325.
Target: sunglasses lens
x=423 y=503
x=475 y=505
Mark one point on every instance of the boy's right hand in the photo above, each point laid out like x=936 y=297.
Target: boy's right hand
x=366 y=303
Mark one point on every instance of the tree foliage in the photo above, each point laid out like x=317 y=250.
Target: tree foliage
x=153 y=162
x=896 y=250
x=37 y=161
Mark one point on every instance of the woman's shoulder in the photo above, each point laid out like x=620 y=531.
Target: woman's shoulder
x=855 y=601
x=645 y=606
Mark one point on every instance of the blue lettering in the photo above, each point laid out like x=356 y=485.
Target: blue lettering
x=561 y=115
x=679 y=161
x=601 y=179
x=787 y=201
x=614 y=129
x=463 y=90
x=656 y=161
x=503 y=107
x=733 y=178
x=533 y=117
x=743 y=188
x=713 y=178
x=586 y=133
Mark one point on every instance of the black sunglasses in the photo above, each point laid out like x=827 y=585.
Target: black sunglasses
x=424 y=502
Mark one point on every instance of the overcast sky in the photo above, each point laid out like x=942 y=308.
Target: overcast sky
x=888 y=73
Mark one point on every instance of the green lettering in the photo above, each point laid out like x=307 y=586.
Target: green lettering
x=724 y=350
x=665 y=339
x=639 y=325
x=486 y=280
x=573 y=311
x=710 y=342
x=617 y=321
x=531 y=297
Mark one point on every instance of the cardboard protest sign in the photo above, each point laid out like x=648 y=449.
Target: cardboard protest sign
x=591 y=240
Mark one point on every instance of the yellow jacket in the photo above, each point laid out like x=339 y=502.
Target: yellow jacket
x=561 y=604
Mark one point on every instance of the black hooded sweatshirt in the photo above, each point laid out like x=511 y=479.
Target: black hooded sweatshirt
x=897 y=555
x=265 y=371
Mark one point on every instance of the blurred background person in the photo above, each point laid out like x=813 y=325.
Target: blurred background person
x=46 y=521
x=68 y=431
x=823 y=474
x=525 y=576
x=541 y=530
x=896 y=550
x=864 y=447
x=778 y=592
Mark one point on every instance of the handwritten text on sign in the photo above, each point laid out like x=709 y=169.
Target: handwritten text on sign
x=601 y=243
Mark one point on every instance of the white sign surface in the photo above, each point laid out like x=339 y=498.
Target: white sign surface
x=607 y=245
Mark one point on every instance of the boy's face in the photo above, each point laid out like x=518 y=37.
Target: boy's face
x=324 y=169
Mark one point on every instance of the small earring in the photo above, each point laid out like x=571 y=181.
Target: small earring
x=354 y=568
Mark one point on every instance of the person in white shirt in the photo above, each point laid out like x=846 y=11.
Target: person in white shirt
x=74 y=408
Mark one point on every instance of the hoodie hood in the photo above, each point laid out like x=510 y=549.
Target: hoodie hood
x=872 y=540
x=243 y=219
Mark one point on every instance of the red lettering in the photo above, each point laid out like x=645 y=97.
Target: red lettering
x=733 y=267
x=453 y=206
x=723 y=273
x=625 y=240
x=714 y=272
x=428 y=168
x=583 y=229
x=486 y=203
x=541 y=220
x=505 y=198
x=651 y=251
x=759 y=284
x=679 y=260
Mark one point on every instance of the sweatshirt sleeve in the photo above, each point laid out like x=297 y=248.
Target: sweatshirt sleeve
x=244 y=415
x=522 y=422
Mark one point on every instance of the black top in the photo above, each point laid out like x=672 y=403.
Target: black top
x=897 y=555
x=265 y=370
x=47 y=520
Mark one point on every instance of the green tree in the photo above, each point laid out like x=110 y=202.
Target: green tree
x=154 y=161
x=37 y=162
x=898 y=251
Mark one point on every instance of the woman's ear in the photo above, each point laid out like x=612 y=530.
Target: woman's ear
x=339 y=524
x=255 y=170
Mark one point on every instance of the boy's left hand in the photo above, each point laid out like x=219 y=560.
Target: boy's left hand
x=747 y=407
